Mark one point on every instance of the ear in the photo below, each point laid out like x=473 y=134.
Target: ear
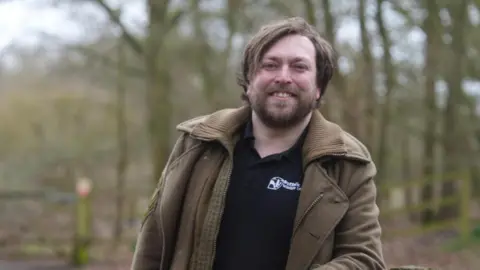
x=249 y=88
x=317 y=95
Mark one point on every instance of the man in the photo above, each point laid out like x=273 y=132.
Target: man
x=270 y=185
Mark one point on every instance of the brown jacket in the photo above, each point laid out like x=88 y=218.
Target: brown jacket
x=336 y=226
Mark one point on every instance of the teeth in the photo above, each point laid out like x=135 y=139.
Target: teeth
x=282 y=94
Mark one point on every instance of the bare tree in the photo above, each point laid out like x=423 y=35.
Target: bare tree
x=453 y=132
x=158 y=95
x=122 y=141
x=432 y=29
x=368 y=71
x=389 y=84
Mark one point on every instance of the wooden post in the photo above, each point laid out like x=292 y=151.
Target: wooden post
x=83 y=220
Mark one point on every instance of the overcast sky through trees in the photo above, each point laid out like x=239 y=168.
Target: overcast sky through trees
x=23 y=23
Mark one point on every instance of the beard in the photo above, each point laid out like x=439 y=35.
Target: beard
x=282 y=113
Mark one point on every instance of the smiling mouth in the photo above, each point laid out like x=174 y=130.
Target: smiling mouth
x=282 y=94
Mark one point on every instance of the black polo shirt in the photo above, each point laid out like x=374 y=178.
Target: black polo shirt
x=260 y=207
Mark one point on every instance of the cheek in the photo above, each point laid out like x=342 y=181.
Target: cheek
x=262 y=80
x=259 y=84
x=306 y=83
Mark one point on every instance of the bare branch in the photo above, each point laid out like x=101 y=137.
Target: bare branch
x=115 y=18
x=174 y=20
x=92 y=54
x=159 y=14
x=107 y=61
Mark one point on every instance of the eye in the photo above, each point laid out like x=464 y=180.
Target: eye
x=269 y=65
x=300 y=67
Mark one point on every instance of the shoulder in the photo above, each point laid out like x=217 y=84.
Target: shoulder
x=201 y=130
x=355 y=148
x=356 y=168
x=187 y=126
x=214 y=119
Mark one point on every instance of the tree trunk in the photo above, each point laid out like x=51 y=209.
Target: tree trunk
x=158 y=86
x=158 y=80
x=122 y=140
x=368 y=70
x=382 y=156
x=406 y=174
x=332 y=109
x=231 y=19
x=203 y=57
x=310 y=12
x=432 y=28
x=346 y=107
x=452 y=122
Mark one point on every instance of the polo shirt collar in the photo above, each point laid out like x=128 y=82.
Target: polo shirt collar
x=292 y=153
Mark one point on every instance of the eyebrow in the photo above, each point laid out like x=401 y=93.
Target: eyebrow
x=294 y=59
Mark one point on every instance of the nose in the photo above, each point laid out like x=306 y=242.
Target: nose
x=283 y=76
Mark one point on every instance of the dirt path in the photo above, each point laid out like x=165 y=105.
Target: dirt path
x=32 y=265
x=49 y=265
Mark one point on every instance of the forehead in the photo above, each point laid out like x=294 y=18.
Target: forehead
x=292 y=47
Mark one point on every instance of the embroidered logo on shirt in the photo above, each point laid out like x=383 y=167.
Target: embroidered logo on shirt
x=277 y=182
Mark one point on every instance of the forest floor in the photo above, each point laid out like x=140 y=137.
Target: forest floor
x=429 y=253
x=428 y=250
x=425 y=251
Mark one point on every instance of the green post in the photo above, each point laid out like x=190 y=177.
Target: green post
x=83 y=236
x=465 y=197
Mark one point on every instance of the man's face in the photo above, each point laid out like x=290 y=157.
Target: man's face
x=283 y=91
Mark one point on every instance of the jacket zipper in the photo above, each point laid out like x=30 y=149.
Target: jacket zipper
x=306 y=212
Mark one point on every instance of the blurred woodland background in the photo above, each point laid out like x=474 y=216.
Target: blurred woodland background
x=104 y=107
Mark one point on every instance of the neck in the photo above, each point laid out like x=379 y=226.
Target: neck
x=271 y=141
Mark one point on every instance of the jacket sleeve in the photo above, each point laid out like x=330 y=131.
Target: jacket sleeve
x=358 y=235
x=149 y=248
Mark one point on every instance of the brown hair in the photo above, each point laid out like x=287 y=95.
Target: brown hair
x=270 y=33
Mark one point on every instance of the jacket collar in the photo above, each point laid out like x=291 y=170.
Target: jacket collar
x=323 y=138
